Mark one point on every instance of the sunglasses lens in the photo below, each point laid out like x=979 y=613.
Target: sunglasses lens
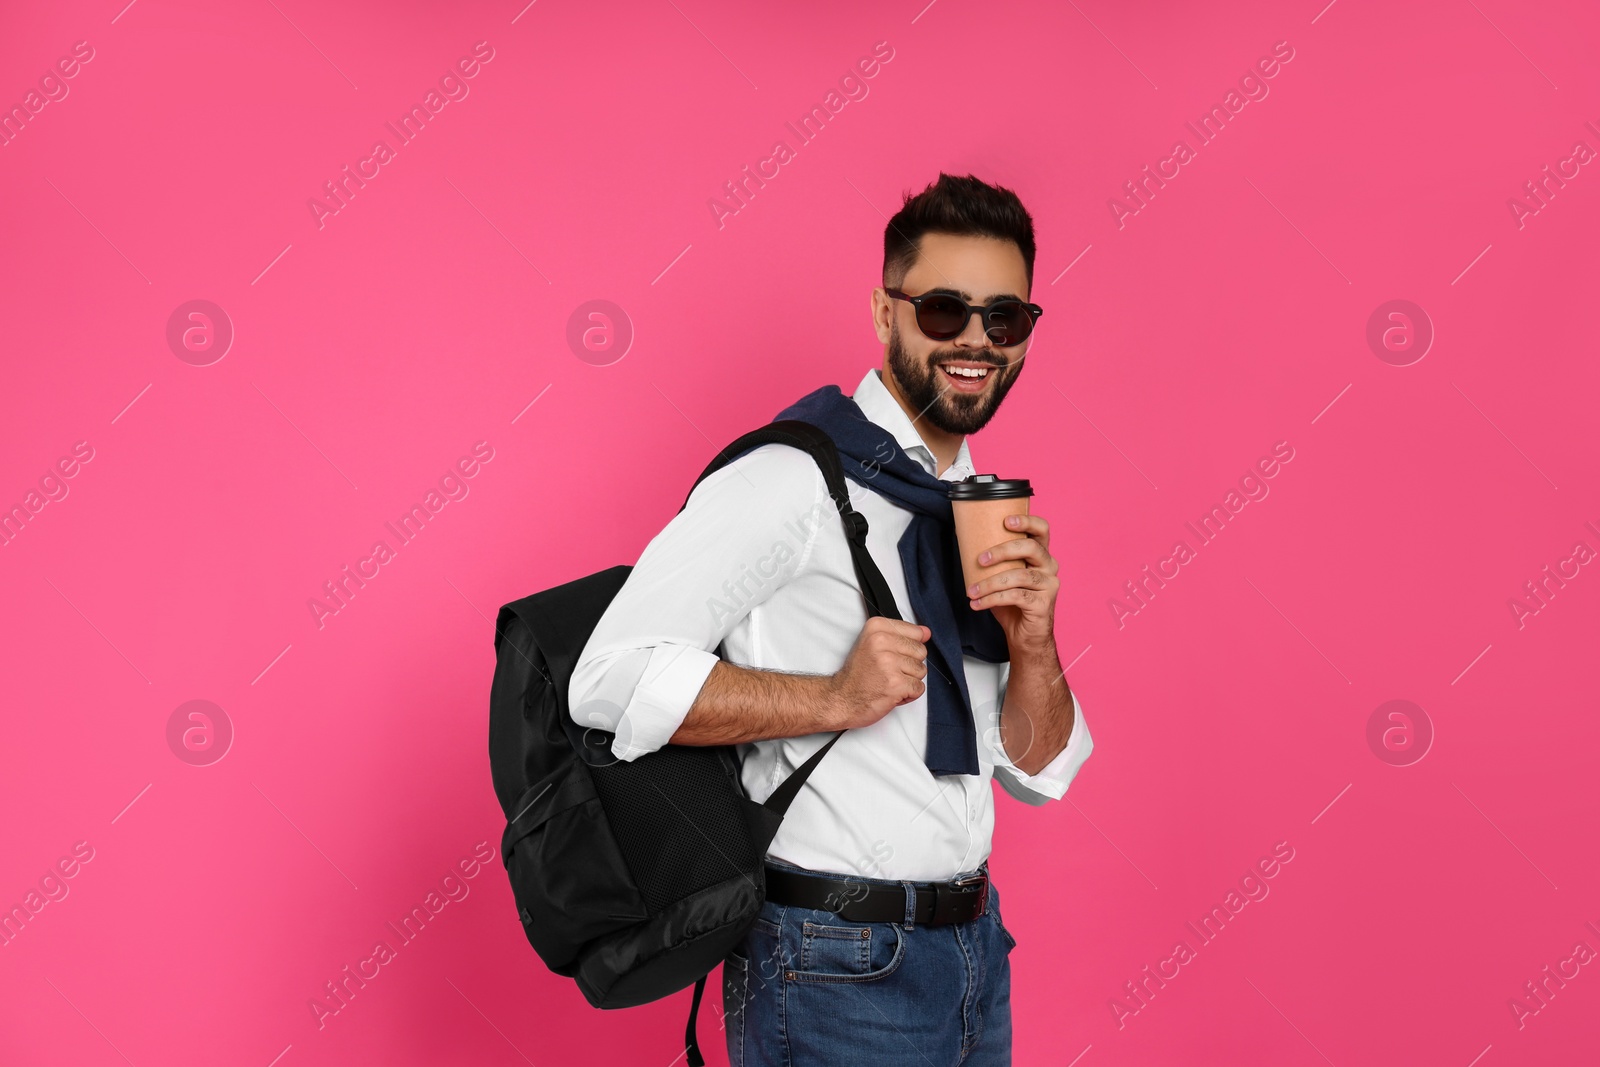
x=1007 y=323
x=942 y=317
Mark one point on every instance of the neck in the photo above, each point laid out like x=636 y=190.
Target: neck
x=944 y=446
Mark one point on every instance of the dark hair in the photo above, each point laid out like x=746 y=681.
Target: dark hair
x=960 y=206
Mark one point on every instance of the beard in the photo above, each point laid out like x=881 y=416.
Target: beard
x=924 y=385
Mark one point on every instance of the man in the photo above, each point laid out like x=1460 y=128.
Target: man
x=881 y=940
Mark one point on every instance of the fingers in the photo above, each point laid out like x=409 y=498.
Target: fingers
x=1033 y=525
x=911 y=651
x=1027 y=549
x=1017 y=596
x=1011 y=576
x=1021 y=591
x=1034 y=542
x=907 y=656
x=897 y=634
x=908 y=659
x=902 y=640
x=911 y=646
x=916 y=666
x=916 y=692
x=898 y=626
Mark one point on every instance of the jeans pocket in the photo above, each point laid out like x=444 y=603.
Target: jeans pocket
x=1011 y=942
x=861 y=952
x=735 y=1001
x=993 y=911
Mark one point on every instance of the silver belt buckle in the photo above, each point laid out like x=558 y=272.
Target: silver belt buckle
x=976 y=879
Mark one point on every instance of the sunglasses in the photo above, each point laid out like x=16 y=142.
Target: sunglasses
x=941 y=316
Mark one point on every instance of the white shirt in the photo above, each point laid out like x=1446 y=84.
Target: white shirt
x=757 y=564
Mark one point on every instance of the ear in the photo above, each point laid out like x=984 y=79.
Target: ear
x=882 y=312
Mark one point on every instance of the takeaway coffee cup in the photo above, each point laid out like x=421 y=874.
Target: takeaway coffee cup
x=981 y=504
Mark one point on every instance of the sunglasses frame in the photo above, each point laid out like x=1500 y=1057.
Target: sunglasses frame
x=1033 y=310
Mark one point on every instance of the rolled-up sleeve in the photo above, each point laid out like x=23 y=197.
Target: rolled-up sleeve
x=1051 y=782
x=747 y=529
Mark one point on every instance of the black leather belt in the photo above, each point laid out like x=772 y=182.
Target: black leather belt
x=854 y=900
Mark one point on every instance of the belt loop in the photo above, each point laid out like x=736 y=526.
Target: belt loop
x=911 y=905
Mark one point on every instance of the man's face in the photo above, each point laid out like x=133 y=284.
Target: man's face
x=979 y=270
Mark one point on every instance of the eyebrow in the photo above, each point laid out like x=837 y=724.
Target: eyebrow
x=964 y=295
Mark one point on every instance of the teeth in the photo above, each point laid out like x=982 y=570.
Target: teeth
x=966 y=372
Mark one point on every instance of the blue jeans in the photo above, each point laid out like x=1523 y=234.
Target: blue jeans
x=807 y=988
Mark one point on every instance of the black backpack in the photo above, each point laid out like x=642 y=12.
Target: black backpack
x=633 y=877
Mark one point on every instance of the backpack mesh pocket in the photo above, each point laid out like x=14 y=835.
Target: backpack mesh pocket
x=680 y=821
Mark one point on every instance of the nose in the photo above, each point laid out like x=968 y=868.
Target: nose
x=975 y=335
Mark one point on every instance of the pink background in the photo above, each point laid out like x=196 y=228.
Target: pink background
x=1230 y=313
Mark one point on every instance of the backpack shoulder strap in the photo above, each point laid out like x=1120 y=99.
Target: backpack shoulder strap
x=812 y=439
x=880 y=601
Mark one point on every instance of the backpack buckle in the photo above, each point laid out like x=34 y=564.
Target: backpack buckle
x=856 y=524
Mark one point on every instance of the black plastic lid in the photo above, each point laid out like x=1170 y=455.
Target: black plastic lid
x=988 y=487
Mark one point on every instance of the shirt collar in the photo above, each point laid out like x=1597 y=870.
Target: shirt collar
x=880 y=406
